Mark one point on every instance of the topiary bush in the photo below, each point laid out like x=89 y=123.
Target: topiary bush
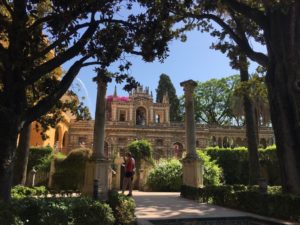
x=166 y=176
x=123 y=208
x=69 y=174
x=235 y=165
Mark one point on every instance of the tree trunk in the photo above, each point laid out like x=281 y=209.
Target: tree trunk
x=283 y=82
x=20 y=168
x=285 y=116
x=251 y=128
x=8 y=140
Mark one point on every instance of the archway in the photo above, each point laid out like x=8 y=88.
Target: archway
x=226 y=143
x=65 y=142
x=141 y=116
x=220 y=143
x=263 y=143
x=239 y=142
x=57 y=138
x=213 y=141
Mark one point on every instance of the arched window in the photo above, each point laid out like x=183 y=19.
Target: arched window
x=157 y=118
x=58 y=138
x=141 y=116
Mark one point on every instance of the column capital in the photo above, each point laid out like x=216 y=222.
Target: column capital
x=188 y=85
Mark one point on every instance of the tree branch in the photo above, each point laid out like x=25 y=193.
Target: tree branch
x=61 y=58
x=53 y=45
x=7 y=6
x=252 y=13
x=91 y=64
x=45 y=104
x=244 y=45
x=38 y=22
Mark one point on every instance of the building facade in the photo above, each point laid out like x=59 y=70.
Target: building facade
x=138 y=117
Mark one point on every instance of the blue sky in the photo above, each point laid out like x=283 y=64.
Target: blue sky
x=192 y=59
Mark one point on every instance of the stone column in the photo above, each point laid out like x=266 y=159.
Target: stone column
x=98 y=174
x=99 y=126
x=192 y=165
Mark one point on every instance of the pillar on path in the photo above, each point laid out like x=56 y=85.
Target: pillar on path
x=192 y=164
x=98 y=172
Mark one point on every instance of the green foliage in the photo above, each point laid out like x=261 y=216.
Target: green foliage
x=166 y=176
x=213 y=101
x=40 y=158
x=235 y=164
x=69 y=174
x=87 y=211
x=8 y=215
x=19 y=191
x=255 y=89
x=212 y=172
x=123 y=208
x=59 y=211
x=141 y=150
x=248 y=198
x=165 y=86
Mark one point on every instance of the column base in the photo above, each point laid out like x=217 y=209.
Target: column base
x=97 y=170
x=192 y=172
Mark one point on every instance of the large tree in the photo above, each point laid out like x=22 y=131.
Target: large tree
x=165 y=86
x=71 y=104
x=213 y=101
x=276 y=25
x=90 y=32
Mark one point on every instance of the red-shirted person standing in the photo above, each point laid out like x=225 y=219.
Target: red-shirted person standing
x=129 y=173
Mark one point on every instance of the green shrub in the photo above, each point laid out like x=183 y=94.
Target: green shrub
x=141 y=150
x=123 y=208
x=166 y=176
x=58 y=211
x=212 y=172
x=8 y=215
x=248 y=198
x=19 y=191
x=70 y=171
x=235 y=165
x=87 y=211
x=40 y=158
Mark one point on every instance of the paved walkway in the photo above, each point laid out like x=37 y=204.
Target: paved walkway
x=165 y=205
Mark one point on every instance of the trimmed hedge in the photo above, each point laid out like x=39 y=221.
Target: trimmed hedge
x=235 y=165
x=69 y=174
x=40 y=158
x=58 y=211
x=273 y=204
x=123 y=208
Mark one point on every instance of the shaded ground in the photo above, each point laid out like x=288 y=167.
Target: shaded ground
x=165 y=205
